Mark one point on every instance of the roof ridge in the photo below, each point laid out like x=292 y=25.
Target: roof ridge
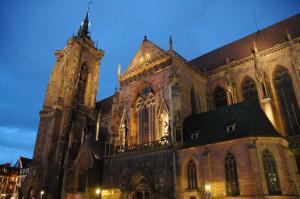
x=241 y=48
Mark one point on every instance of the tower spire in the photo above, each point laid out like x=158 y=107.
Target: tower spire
x=84 y=27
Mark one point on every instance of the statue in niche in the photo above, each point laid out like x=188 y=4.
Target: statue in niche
x=126 y=133
x=262 y=81
x=259 y=73
x=230 y=87
x=230 y=92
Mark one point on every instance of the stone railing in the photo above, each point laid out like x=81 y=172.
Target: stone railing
x=165 y=141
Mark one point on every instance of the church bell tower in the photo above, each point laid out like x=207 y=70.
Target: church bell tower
x=67 y=118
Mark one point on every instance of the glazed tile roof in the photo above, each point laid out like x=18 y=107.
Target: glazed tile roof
x=264 y=39
x=211 y=127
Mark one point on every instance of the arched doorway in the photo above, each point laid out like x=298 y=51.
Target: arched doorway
x=141 y=186
x=143 y=190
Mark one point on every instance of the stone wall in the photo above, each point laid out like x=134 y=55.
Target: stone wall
x=210 y=168
x=127 y=172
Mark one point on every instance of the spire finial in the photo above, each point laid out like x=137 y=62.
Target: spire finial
x=119 y=70
x=171 y=43
x=288 y=35
x=84 y=28
x=145 y=37
x=254 y=48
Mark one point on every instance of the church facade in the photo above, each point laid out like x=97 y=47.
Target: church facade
x=225 y=124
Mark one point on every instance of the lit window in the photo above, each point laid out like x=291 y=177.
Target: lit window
x=145 y=108
x=271 y=175
x=231 y=175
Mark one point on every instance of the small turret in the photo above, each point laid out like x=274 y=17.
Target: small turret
x=171 y=43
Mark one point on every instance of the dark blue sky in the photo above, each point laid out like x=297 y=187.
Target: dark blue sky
x=31 y=31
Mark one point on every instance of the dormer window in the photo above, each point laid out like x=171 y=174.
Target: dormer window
x=194 y=136
x=230 y=128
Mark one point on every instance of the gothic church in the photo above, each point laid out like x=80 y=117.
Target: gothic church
x=225 y=124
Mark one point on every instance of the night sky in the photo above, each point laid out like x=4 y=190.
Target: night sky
x=31 y=31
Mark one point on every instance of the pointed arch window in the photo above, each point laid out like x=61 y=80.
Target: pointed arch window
x=82 y=84
x=193 y=101
x=231 y=175
x=249 y=89
x=288 y=101
x=192 y=175
x=271 y=175
x=220 y=97
x=145 y=108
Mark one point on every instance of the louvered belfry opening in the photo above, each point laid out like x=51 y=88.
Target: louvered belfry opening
x=82 y=84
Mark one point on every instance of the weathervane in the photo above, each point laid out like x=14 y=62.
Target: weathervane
x=89 y=4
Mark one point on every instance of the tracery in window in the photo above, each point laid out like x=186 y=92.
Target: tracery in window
x=288 y=101
x=192 y=175
x=271 y=175
x=231 y=175
x=145 y=109
x=220 y=97
x=249 y=89
x=193 y=101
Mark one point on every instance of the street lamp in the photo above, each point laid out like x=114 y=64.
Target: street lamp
x=42 y=193
x=98 y=192
x=207 y=191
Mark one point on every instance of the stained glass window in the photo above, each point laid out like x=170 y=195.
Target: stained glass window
x=220 y=97
x=192 y=175
x=145 y=108
x=249 y=89
x=193 y=101
x=271 y=175
x=288 y=101
x=231 y=175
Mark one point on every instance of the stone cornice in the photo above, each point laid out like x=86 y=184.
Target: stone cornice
x=87 y=45
x=269 y=51
x=143 y=67
x=157 y=62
